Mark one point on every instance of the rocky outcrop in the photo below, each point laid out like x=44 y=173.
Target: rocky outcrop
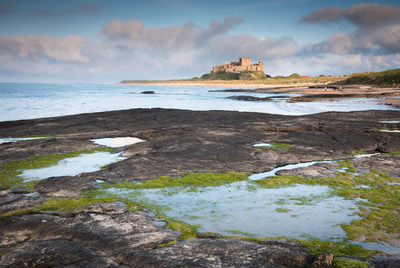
x=224 y=253
x=249 y=98
x=102 y=234
x=177 y=142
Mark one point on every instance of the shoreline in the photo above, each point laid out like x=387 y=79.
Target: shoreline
x=219 y=84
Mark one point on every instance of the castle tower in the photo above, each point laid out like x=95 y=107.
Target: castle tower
x=260 y=66
x=243 y=61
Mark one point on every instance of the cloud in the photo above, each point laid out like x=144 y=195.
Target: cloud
x=133 y=34
x=37 y=47
x=337 y=44
x=324 y=15
x=72 y=11
x=362 y=15
x=372 y=15
x=377 y=32
x=4 y=10
x=375 y=41
x=256 y=47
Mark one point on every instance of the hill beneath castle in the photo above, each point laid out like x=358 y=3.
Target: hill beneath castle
x=388 y=78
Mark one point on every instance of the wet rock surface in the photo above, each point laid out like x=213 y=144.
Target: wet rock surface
x=224 y=253
x=319 y=170
x=10 y=201
x=177 y=142
x=56 y=186
x=102 y=234
x=384 y=162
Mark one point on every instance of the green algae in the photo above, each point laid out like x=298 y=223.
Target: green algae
x=280 y=146
x=381 y=218
x=186 y=230
x=355 y=153
x=337 y=248
x=242 y=234
x=192 y=180
x=168 y=244
x=67 y=204
x=9 y=179
x=282 y=210
x=347 y=263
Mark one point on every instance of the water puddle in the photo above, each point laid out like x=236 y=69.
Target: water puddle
x=5 y=140
x=117 y=142
x=365 y=155
x=262 y=145
x=271 y=173
x=390 y=131
x=73 y=166
x=239 y=208
x=389 y=122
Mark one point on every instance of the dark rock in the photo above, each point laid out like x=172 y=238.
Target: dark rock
x=64 y=186
x=316 y=97
x=385 y=262
x=222 y=253
x=20 y=191
x=12 y=202
x=105 y=233
x=388 y=163
x=55 y=253
x=208 y=235
x=249 y=98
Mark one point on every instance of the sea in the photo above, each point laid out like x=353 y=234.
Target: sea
x=33 y=100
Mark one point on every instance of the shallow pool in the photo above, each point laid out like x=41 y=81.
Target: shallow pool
x=5 y=140
x=117 y=142
x=243 y=209
x=73 y=166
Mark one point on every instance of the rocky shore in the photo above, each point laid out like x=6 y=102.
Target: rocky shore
x=177 y=142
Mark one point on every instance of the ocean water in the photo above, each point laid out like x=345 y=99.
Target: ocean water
x=29 y=100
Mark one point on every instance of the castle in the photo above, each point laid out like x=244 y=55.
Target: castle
x=244 y=64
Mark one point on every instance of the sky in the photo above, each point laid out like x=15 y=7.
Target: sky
x=107 y=41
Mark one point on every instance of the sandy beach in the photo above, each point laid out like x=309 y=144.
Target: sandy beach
x=238 y=84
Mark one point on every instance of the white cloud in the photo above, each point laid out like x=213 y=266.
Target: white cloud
x=36 y=47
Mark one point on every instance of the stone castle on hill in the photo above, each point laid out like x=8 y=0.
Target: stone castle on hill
x=244 y=64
